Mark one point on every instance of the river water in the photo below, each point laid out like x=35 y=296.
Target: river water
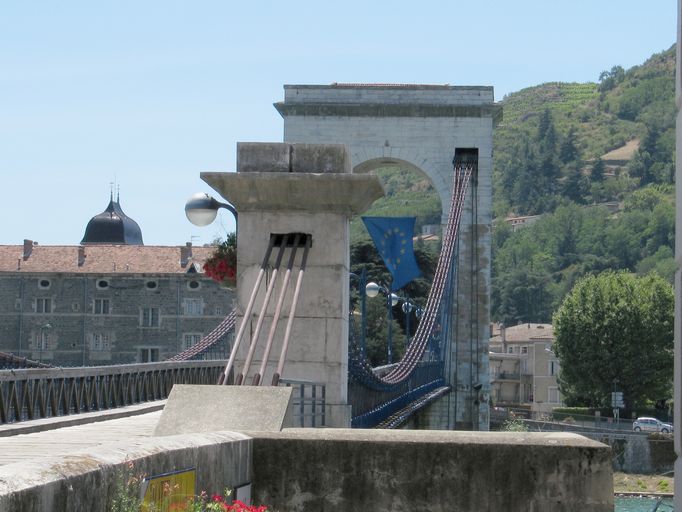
x=642 y=505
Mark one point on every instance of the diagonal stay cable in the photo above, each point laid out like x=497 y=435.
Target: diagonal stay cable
x=247 y=313
x=241 y=378
x=257 y=378
x=292 y=312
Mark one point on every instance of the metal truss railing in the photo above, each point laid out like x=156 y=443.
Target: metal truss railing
x=309 y=402
x=41 y=393
x=372 y=406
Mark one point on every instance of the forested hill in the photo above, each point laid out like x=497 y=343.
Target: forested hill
x=595 y=161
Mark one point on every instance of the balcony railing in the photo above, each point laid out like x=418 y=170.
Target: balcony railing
x=506 y=376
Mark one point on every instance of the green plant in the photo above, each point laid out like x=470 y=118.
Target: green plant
x=663 y=486
x=127 y=498
x=127 y=490
x=221 y=266
x=216 y=503
x=514 y=424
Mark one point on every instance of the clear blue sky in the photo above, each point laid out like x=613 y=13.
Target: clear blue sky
x=150 y=93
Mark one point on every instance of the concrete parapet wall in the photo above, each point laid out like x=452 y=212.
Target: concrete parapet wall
x=637 y=453
x=86 y=481
x=357 y=470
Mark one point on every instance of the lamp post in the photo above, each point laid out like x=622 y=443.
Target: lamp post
x=372 y=290
x=362 y=280
x=408 y=307
x=202 y=209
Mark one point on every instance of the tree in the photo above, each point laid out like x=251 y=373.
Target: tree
x=569 y=152
x=609 y=79
x=616 y=327
x=598 y=170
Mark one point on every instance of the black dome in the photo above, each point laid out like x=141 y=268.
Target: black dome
x=112 y=226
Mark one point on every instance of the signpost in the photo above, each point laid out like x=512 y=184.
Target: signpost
x=617 y=404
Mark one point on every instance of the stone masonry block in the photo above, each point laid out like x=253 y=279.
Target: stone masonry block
x=263 y=157
x=320 y=158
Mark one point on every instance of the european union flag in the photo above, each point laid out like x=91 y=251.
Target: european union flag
x=393 y=239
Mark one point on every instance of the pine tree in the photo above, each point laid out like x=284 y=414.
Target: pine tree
x=598 y=170
x=568 y=152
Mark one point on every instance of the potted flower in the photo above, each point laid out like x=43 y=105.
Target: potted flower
x=221 y=265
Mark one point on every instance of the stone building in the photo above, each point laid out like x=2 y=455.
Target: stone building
x=523 y=367
x=109 y=300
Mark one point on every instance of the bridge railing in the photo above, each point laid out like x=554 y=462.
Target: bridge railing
x=309 y=403
x=372 y=406
x=28 y=394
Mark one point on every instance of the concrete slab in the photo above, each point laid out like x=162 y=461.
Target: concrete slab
x=196 y=408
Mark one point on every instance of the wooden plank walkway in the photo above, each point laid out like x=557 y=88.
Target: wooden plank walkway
x=67 y=440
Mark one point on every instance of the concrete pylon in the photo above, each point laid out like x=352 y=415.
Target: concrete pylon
x=282 y=188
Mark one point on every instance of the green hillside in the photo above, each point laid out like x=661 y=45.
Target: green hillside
x=548 y=162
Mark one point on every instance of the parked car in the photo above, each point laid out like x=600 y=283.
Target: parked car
x=651 y=425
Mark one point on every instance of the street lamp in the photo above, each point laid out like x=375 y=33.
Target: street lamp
x=362 y=279
x=202 y=209
x=372 y=290
x=408 y=307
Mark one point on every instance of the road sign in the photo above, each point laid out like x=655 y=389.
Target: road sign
x=617 y=400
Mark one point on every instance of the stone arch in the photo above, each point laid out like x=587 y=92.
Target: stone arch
x=368 y=166
x=422 y=126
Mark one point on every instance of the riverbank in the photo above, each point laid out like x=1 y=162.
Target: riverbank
x=644 y=484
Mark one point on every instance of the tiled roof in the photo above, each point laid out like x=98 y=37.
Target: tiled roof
x=523 y=333
x=101 y=259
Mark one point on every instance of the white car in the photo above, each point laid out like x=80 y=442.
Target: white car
x=651 y=425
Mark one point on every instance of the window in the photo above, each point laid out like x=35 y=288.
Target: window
x=553 y=367
x=193 y=307
x=190 y=339
x=101 y=307
x=510 y=350
x=193 y=285
x=218 y=310
x=151 y=285
x=102 y=284
x=524 y=350
x=43 y=340
x=150 y=317
x=43 y=305
x=553 y=395
x=44 y=284
x=149 y=355
x=100 y=341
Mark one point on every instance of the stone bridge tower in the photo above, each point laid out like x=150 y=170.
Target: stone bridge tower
x=420 y=127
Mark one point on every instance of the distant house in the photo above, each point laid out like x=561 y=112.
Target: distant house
x=523 y=367
x=109 y=300
x=521 y=221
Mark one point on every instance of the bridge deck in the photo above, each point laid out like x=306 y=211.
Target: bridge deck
x=63 y=440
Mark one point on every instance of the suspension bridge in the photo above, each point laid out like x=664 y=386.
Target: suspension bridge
x=291 y=324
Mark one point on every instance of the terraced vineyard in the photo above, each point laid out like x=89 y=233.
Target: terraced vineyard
x=556 y=96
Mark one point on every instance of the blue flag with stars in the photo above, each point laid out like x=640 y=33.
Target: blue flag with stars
x=393 y=239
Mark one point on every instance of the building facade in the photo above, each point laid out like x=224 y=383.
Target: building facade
x=523 y=367
x=105 y=304
x=109 y=300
